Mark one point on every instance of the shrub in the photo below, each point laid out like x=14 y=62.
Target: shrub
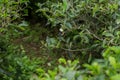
x=10 y=11
x=15 y=65
x=101 y=69
x=83 y=24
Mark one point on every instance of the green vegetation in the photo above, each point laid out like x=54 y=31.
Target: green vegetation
x=59 y=39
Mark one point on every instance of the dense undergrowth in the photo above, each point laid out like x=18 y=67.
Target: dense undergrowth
x=84 y=34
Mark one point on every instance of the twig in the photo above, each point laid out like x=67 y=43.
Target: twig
x=94 y=35
x=76 y=50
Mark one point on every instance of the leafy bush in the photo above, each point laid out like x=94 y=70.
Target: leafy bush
x=10 y=11
x=15 y=65
x=11 y=21
x=101 y=69
x=83 y=24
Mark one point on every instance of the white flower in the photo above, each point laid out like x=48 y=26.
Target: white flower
x=61 y=30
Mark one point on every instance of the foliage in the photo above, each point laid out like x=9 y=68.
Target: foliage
x=101 y=69
x=83 y=25
x=9 y=11
x=15 y=65
x=11 y=21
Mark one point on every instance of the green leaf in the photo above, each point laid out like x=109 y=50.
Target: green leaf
x=95 y=9
x=116 y=49
x=118 y=21
x=112 y=61
x=62 y=69
x=107 y=34
x=115 y=77
x=61 y=60
x=70 y=75
x=101 y=1
x=65 y=5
